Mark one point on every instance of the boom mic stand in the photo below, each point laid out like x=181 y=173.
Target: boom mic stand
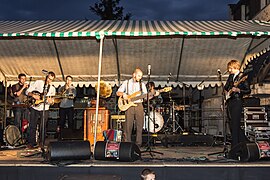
x=148 y=146
x=225 y=148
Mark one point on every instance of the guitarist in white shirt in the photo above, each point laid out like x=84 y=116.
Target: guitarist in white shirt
x=134 y=114
x=36 y=112
x=237 y=86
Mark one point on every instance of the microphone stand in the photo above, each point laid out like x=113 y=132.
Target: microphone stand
x=45 y=91
x=148 y=146
x=225 y=148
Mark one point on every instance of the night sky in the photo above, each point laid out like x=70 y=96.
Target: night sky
x=140 y=9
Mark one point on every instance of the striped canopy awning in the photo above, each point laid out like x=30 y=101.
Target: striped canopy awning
x=185 y=52
x=131 y=28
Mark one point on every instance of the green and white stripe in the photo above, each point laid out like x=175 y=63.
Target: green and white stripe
x=84 y=28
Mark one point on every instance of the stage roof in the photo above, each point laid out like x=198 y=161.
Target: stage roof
x=185 y=52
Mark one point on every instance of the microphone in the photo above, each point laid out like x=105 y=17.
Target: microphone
x=45 y=71
x=168 y=79
x=219 y=71
x=149 y=69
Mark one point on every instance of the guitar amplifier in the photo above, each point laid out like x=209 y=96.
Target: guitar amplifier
x=89 y=124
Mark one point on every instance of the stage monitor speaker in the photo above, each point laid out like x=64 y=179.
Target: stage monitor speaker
x=245 y=152
x=119 y=151
x=71 y=134
x=69 y=150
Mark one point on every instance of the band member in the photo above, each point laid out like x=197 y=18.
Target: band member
x=40 y=91
x=154 y=94
x=66 y=110
x=134 y=114
x=19 y=98
x=236 y=87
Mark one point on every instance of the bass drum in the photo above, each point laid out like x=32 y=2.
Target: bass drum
x=12 y=136
x=155 y=119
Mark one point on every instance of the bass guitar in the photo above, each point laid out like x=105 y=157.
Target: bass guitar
x=124 y=104
x=235 y=84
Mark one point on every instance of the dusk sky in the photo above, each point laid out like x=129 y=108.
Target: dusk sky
x=140 y=9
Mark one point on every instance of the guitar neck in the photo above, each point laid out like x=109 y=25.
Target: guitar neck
x=144 y=95
x=138 y=97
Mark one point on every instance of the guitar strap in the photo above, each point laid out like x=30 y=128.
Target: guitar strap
x=141 y=86
x=127 y=87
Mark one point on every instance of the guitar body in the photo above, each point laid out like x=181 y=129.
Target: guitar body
x=228 y=95
x=124 y=104
x=37 y=102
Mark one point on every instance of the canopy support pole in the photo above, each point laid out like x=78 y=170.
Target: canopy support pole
x=58 y=59
x=180 y=58
x=117 y=60
x=247 y=51
x=3 y=123
x=98 y=85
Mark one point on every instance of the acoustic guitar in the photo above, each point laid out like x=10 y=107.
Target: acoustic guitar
x=57 y=98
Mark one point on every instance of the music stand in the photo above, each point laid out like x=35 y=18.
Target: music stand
x=148 y=146
x=225 y=148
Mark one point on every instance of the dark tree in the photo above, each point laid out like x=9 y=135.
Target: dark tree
x=109 y=10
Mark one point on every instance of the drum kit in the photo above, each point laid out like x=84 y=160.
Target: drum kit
x=164 y=117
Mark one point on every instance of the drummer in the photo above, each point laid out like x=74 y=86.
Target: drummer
x=154 y=94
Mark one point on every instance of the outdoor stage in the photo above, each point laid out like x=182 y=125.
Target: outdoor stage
x=177 y=162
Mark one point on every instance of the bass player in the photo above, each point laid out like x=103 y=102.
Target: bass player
x=134 y=114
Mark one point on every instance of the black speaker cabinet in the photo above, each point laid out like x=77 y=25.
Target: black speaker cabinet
x=245 y=152
x=69 y=150
x=121 y=151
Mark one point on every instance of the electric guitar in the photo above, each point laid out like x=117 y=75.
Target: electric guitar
x=57 y=98
x=124 y=104
x=235 y=84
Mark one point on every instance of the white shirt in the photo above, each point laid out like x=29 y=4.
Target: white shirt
x=130 y=86
x=38 y=86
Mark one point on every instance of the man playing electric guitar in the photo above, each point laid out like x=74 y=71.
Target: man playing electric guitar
x=133 y=113
x=36 y=112
x=237 y=86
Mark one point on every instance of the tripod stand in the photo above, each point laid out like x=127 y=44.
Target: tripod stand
x=172 y=118
x=223 y=108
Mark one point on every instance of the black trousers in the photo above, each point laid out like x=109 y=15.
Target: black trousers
x=66 y=113
x=36 y=118
x=235 y=107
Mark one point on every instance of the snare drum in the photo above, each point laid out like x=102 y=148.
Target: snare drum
x=157 y=120
x=12 y=135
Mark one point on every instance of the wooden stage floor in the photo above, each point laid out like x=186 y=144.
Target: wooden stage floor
x=192 y=162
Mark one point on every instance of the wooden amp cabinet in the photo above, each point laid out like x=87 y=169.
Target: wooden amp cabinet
x=89 y=123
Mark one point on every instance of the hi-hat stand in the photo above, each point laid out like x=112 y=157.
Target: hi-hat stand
x=172 y=119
